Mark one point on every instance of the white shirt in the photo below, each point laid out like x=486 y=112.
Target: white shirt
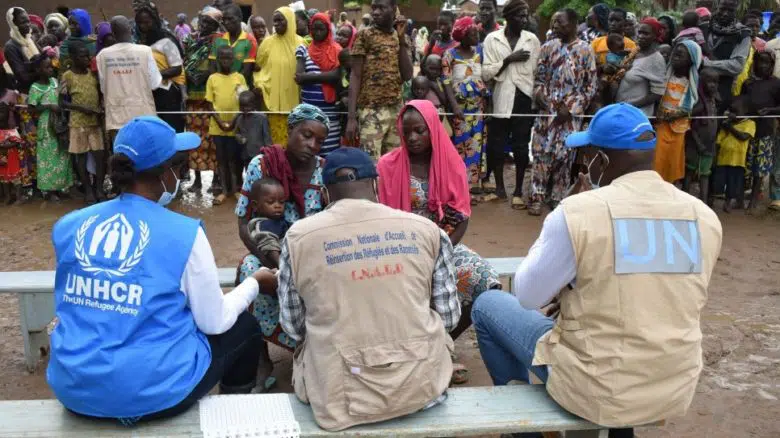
x=214 y=312
x=518 y=75
x=549 y=266
x=172 y=56
x=155 y=79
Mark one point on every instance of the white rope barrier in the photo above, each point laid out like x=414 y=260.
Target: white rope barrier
x=500 y=115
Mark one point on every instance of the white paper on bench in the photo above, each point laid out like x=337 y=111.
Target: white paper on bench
x=257 y=415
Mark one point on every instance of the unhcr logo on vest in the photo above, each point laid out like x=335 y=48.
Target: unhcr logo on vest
x=110 y=241
x=107 y=251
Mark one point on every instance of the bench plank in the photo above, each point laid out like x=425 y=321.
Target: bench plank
x=467 y=411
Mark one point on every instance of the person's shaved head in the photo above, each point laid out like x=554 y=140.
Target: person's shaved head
x=122 y=29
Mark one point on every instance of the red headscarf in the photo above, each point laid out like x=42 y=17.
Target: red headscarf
x=276 y=165
x=462 y=27
x=38 y=21
x=447 y=178
x=657 y=27
x=325 y=54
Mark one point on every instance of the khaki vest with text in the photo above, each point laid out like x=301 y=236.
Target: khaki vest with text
x=626 y=348
x=128 y=92
x=374 y=348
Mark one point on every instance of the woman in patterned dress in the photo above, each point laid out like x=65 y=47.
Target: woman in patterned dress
x=308 y=128
x=426 y=176
x=55 y=173
x=462 y=66
x=196 y=69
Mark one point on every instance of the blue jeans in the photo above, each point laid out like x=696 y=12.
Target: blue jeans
x=507 y=335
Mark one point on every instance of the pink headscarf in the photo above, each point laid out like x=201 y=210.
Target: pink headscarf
x=447 y=178
x=703 y=12
x=462 y=27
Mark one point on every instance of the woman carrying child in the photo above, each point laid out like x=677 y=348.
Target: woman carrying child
x=54 y=170
x=462 y=68
x=298 y=167
x=674 y=112
x=641 y=79
x=168 y=54
x=318 y=74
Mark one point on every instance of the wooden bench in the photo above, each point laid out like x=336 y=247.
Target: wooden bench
x=36 y=301
x=467 y=411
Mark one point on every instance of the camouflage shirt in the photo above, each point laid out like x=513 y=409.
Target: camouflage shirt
x=381 y=83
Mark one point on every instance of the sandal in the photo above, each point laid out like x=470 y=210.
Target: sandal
x=518 y=203
x=491 y=197
x=488 y=187
x=535 y=209
x=460 y=374
x=219 y=199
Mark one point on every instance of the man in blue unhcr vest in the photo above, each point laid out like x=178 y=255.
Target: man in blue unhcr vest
x=144 y=329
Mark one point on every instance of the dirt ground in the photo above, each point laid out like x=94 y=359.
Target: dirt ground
x=738 y=392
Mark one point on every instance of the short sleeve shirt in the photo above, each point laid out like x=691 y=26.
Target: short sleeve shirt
x=382 y=82
x=244 y=49
x=222 y=91
x=83 y=91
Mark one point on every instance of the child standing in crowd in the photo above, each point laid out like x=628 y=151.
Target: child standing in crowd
x=10 y=159
x=10 y=165
x=268 y=228
x=252 y=130
x=55 y=175
x=733 y=141
x=222 y=91
x=700 y=140
x=682 y=83
x=432 y=69
x=80 y=94
x=666 y=51
x=691 y=31
x=762 y=92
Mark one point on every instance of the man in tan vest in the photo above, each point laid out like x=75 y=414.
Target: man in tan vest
x=629 y=265
x=370 y=295
x=128 y=73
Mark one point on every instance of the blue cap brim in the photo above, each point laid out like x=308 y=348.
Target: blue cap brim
x=578 y=139
x=186 y=141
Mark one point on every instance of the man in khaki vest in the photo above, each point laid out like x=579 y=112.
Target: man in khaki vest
x=128 y=73
x=370 y=294
x=629 y=265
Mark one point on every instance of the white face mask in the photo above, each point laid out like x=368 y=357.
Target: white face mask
x=597 y=184
x=167 y=196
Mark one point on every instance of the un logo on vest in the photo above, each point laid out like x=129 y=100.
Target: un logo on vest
x=110 y=241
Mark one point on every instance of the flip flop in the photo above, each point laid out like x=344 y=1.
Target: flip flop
x=219 y=199
x=518 y=203
x=460 y=374
x=488 y=187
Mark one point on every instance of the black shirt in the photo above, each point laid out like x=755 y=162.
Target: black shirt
x=19 y=66
x=762 y=93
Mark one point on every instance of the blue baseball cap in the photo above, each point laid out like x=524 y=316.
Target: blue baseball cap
x=358 y=161
x=616 y=126
x=149 y=142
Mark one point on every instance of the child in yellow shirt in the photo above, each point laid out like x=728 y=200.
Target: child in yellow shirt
x=222 y=90
x=733 y=140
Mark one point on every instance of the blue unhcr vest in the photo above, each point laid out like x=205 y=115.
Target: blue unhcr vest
x=126 y=344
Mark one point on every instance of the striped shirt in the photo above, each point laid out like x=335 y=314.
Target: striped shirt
x=312 y=94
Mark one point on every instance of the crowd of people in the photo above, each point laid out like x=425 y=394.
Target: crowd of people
x=346 y=164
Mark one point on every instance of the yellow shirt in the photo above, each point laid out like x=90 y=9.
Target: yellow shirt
x=599 y=46
x=732 y=150
x=222 y=91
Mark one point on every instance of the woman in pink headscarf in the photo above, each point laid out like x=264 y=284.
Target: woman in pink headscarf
x=426 y=176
